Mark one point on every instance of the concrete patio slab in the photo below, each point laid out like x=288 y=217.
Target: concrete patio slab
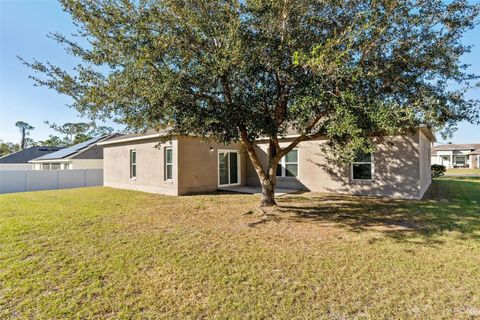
x=256 y=190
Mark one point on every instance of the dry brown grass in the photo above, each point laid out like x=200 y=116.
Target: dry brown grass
x=104 y=253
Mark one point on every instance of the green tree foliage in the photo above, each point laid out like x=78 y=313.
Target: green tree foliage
x=8 y=147
x=77 y=132
x=25 y=129
x=73 y=132
x=230 y=70
x=29 y=142
x=96 y=131
x=53 y=141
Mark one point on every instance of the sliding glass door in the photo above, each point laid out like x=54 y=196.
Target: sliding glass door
x=228 y=168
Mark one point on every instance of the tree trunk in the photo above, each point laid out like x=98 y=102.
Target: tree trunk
x=268 y=195
x=22 y=142
x=268 y=185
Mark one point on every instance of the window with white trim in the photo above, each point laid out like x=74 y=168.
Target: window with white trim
x=133 y=163
x=168 y=156
x=288 y=165
x=55 y=166
x=460 y=160
x=362 y=167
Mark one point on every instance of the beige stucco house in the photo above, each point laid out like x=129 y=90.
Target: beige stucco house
x=186 y=165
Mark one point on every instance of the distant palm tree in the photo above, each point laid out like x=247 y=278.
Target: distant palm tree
x=25 y=129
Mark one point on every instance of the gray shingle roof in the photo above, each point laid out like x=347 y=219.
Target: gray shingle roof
x=453 y=147
x=28 y=154
x=475 y=152
x=94 y=152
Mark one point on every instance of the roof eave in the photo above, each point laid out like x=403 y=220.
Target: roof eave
x=146 y=137
x=50 y=160
x=425 y=129
x=428 y=132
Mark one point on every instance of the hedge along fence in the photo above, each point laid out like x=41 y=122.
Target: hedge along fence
x=34 y=180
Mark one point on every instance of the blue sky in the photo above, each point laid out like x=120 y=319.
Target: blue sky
x=24 y=26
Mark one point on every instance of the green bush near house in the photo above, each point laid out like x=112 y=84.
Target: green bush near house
x=100 y=253
x=438 y=170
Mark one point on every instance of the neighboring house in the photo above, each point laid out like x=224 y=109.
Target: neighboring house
x=19 y=160
x=186 y=165
x=475 y=159
x=457 y=155
x=85 y=155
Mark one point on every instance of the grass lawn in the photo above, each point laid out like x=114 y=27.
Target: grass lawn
x=105 y=253
x=459 y=171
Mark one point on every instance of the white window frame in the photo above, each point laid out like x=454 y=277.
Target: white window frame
x=372 y=170
x=166 y=164
x=460 y=156
x=239 y=167
x=131 y=164
x=282 y=163
x=55 y=163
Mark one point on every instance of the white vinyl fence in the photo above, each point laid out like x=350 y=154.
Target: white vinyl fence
x=33 y=180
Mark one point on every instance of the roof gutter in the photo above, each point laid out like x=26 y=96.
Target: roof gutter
x=150 y=136
x=424 y=129
x=50 y=160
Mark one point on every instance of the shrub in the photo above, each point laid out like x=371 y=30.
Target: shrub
x=438 y=170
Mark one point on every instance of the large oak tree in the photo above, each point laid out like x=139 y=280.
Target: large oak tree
x=354 y=71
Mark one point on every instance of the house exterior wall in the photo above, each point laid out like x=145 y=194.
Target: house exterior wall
x=475 y=161
x=68 y=164
x=425 y=155
x=47 y=165
x=195 y=166
x=198 y=165
x=397 y=169
x=444 y=158
x=150 y=167
x=86 y=164
x=401 y=167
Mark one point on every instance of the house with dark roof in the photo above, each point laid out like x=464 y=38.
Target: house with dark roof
x=20 y=160
x=178 y=165
x=85 y=155
x=457 y=155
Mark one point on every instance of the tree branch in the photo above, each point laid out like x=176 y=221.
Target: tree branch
x=303 y=137
x=249 y=146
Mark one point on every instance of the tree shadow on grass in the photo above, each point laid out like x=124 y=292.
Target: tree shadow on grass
x=449 y=206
